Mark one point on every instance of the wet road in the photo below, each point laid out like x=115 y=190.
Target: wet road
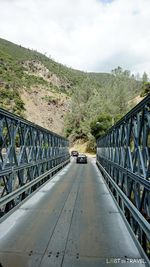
x=71 y=221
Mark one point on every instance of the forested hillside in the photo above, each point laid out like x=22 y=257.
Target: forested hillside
x=80 y=105
x=99 y=103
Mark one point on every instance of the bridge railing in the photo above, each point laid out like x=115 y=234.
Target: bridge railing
x=29 y=156
x=123 y=156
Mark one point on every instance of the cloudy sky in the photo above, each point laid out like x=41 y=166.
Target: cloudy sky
x=90 y=35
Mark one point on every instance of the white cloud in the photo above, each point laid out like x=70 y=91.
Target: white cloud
x=92 y=35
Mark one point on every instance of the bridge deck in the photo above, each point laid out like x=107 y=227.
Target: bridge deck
x=71 y=221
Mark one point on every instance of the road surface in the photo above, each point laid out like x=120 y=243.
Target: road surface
x=71 y=221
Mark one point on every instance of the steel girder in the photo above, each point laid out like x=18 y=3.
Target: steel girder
x=26 y=152
x=123 y=155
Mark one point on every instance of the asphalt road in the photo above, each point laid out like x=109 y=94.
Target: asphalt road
x=71 y=221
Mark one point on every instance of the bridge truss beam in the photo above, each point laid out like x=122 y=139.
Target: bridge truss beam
x=123 y=156
x=29 y=155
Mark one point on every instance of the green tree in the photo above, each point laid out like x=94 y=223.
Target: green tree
x=145 y=77
x=145 y=89
x=100 y=126
x=117 y=71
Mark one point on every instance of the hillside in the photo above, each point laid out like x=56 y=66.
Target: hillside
x=51 y=95
x=33 y=86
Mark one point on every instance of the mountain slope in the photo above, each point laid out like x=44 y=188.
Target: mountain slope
x=34 y=86
x=51 y=95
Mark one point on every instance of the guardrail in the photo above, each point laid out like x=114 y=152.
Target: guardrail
x=29 y=156
x=123 y=156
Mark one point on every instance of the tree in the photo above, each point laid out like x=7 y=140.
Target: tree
x=100 y=126
x=117 y=71
x=127 y=73
x=145 y=77
x=145 y=85
x=145 y=89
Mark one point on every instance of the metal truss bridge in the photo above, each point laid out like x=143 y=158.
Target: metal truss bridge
x=54 y=212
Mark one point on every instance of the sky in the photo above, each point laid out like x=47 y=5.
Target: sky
x=90 y=35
